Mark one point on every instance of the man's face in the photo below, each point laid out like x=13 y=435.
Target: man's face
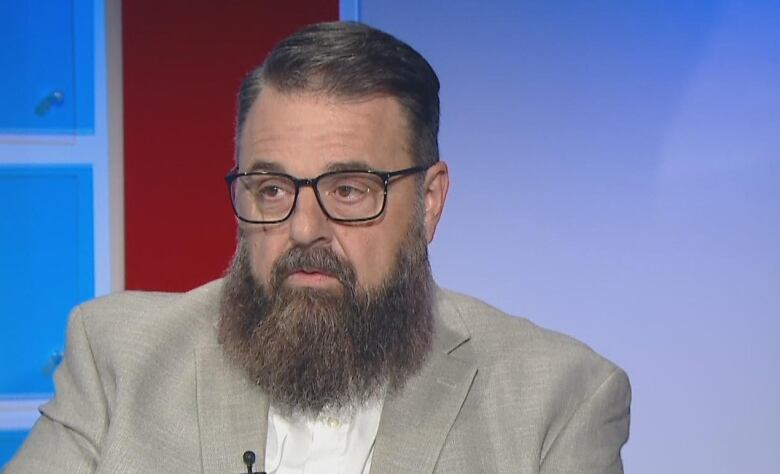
x=325 y=314
x=305 y=135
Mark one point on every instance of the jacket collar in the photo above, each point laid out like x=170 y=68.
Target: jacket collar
x=416 y=421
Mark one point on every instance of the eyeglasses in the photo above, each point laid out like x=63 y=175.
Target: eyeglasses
x=265 y=197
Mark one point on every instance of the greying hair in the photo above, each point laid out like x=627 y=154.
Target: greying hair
x=353 y=61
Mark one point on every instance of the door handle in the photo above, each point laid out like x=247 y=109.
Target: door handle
x=57 y=97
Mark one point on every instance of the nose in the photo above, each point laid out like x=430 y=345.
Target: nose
x=308 y=223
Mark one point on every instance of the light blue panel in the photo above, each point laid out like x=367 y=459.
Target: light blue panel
x=349 y=10
x=616 y=176
x=47 y=267
x=47 y=59
x=10 y=441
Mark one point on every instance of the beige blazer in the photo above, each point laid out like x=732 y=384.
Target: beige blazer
x=144 y=388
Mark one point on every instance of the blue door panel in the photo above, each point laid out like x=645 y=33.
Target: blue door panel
x=48 y=267
x=9 y=443
x=47 y=64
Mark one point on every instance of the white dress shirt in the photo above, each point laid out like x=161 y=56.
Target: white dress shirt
x=329 y=443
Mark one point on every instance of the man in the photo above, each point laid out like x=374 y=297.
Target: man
x=327 y=347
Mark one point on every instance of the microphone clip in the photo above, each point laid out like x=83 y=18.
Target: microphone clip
x=249 y=461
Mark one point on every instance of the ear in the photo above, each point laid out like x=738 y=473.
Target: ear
x=437 y=183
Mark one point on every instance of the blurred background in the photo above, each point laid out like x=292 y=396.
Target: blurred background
x=615 y=176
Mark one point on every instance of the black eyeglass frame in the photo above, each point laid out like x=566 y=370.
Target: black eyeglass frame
x=386 y=177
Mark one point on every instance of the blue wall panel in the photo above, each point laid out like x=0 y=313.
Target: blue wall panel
x=47 y=60
x=47 y=267
x=9 y=443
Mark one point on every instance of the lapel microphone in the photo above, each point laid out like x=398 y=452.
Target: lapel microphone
x=249 y=460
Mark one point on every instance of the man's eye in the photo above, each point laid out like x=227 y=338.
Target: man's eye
x=348 y=192
x=270 y=191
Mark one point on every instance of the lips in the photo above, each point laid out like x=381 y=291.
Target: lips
x=313 y=277
x=311 y=267
x=312 y=271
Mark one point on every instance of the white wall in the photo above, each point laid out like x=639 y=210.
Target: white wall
x=616 y=176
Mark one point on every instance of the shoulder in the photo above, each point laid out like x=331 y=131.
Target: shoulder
x=134 y=320
x=148 y=307
x=514 y=348
x=489 y=326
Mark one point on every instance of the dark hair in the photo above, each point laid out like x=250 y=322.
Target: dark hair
x=352 y=60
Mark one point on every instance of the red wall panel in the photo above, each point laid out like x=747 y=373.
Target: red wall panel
x=183 y=63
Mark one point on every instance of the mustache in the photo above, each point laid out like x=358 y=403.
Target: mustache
x=312 y=259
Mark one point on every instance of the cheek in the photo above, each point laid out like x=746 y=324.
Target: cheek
x=264 y=249
x=382 y=242
x=371 y=263
x=372 y=252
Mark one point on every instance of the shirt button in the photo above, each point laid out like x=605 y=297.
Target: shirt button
x=333 y=422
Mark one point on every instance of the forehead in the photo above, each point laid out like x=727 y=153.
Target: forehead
x=305 y=133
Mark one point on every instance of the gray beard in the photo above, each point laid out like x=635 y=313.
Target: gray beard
x=311 y=349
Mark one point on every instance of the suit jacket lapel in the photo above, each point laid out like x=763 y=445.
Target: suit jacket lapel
x=232 y=414
x=415 y=422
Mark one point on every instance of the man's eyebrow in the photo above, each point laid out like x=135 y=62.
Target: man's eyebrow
x=261 y=165
x=347 y=165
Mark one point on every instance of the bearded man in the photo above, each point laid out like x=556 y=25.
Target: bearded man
x=328 y=347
